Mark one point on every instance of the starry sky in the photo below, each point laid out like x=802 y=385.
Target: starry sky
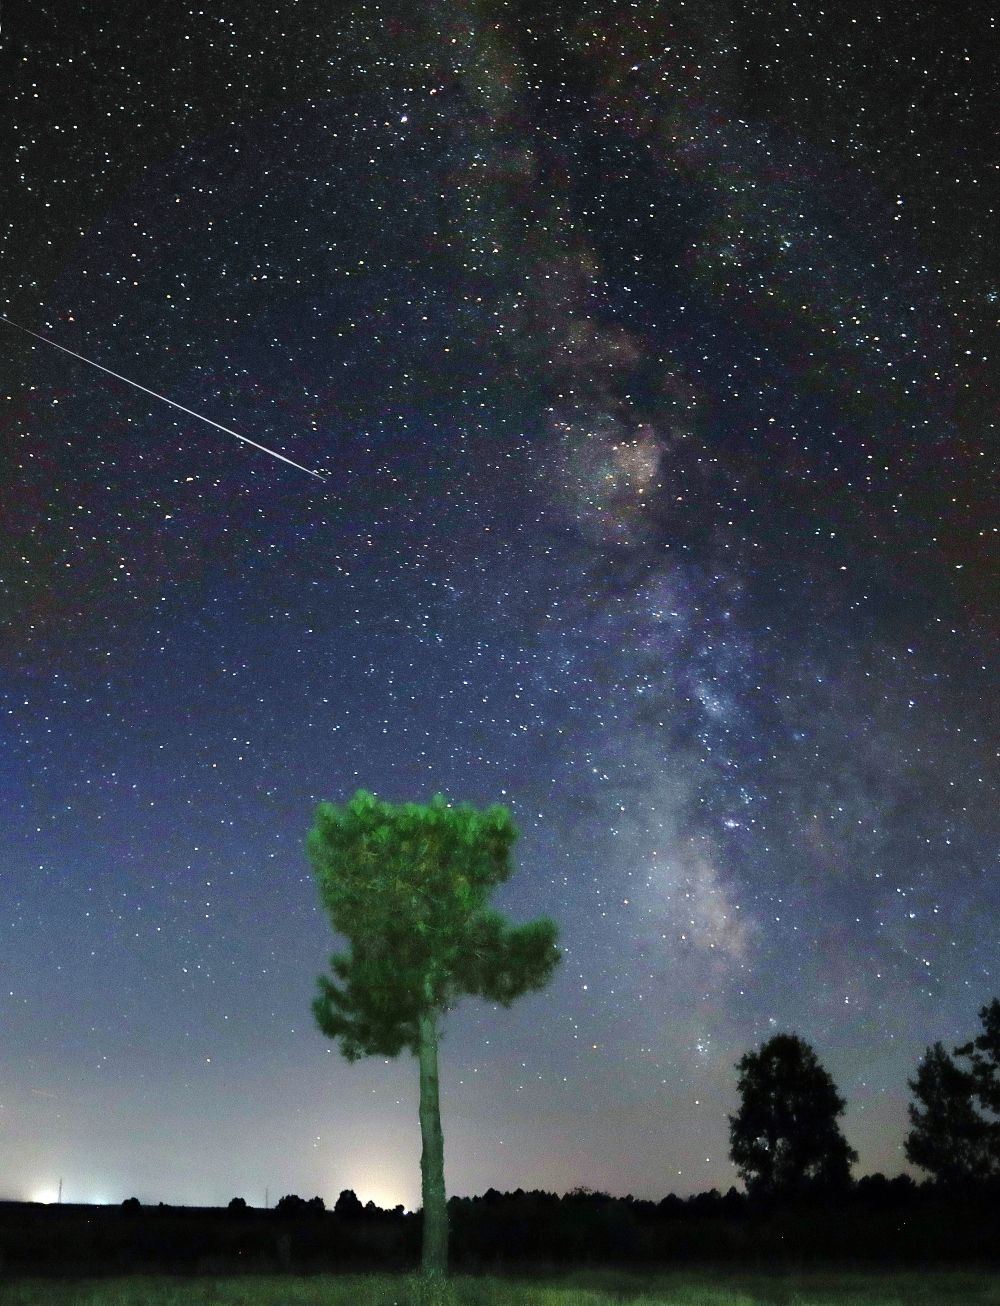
x=648 y=351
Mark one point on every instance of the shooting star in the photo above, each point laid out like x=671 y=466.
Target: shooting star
x=321 y=476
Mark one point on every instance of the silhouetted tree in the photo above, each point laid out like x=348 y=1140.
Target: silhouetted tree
x=950 y=1136
x=291 y=1204
x=237 y=1204
x=785 y=1136
x=409 y=886
x=348 y=1205
x=984 y=1058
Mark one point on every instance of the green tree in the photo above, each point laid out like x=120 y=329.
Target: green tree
x=785 y=1134
x=954 y=1131
x=408 y=886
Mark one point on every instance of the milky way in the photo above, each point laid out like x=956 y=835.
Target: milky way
x=647 y=351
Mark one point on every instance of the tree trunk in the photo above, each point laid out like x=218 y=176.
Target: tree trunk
x=434 y=1257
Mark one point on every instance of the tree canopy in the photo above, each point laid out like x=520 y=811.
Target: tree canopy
x=954 y=1129
x=785 y=1134
x=408 y=885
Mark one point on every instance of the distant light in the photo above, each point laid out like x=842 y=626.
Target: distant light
x=375 y=1185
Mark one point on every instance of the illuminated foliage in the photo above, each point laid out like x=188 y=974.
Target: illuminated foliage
x=409 y=886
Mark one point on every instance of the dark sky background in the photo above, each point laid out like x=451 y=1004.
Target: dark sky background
x=649 y=350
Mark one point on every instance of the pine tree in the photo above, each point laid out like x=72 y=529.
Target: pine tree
x=984 y=1058
x=955 y=1133
x=785 y=1135
x=408 y=886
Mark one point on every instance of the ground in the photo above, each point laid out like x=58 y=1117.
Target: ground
x=593 y=1288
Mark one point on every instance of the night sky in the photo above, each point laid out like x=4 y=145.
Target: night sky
x=648 y=350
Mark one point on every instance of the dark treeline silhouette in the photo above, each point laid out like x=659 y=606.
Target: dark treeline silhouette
x=800 y=1202
x=874 y=1220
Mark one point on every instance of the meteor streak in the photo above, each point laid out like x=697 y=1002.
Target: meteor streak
x=146 y=390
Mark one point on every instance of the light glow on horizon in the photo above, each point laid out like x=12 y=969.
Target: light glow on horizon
x=386 y=1190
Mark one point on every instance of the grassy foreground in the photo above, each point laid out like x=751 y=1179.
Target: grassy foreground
x=596 y=1288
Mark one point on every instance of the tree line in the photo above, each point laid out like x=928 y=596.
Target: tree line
x=874 y=1221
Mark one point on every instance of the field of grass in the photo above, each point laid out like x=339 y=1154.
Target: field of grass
x=597 y=1288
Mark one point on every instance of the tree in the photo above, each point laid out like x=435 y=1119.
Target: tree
x=950 y=1136
x=785 y=1136
x=408 y=886
x=348 y=1205
x=984 y=1058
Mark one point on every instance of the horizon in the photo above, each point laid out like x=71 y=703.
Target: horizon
x=154 y=1203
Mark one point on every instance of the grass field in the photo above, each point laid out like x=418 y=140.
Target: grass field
x=597 y=1288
